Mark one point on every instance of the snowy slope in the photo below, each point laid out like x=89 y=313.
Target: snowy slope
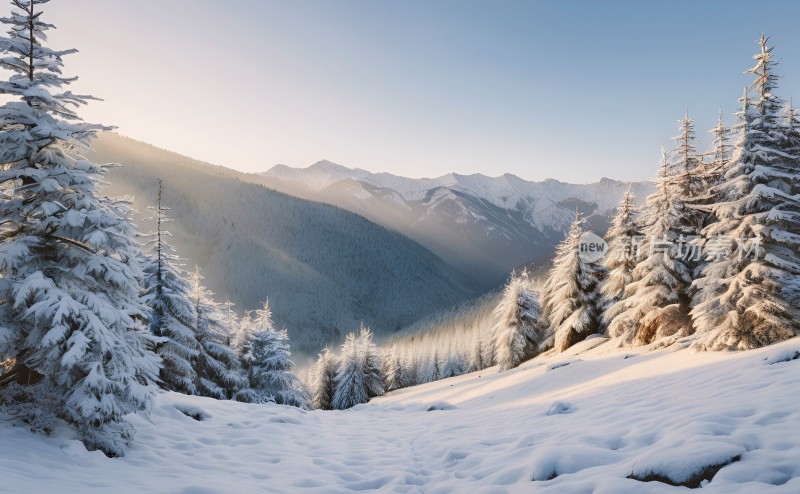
x=579 y=422
x=483 y=225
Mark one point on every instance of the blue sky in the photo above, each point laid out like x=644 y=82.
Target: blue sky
x=568 y=90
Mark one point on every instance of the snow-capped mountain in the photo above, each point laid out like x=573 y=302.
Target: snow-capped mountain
x=324 y=270
x=483 y=225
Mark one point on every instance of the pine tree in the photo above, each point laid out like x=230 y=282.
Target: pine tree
x=70 y=313
x=411 y=371
x=453 y=363
x=392 y=370
x=267 y=360
x=431 y=371
x=231 y=324
x=476 y=356
x=172 y=314
x=791 y=143
x=655 y=303
x=720 y=154
x=351 y=388
x=709 y=176
x=686 y=180
x=517 y=334
x=747 y=296
x=571 y=298
x=373 y=366
x=323 y=380
x=621 y=258
x=219 y=371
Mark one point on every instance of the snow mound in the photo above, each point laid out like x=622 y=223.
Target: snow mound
x=560 y=407
x=786 y=355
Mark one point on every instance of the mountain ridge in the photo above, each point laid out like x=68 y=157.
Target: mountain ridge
x=482 y=225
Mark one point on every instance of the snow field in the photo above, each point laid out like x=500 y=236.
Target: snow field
x=583 y=421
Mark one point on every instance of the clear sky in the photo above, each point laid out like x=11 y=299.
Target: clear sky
x=569 y=90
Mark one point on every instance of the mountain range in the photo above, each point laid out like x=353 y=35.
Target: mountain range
x=483 y=226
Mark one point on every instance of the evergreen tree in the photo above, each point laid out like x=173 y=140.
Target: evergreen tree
x=791 y=145
x=747 y=296
x=218 y=368
x=710 y=174
x=351 y=388
x=621 y=258
x=487 y=348
x=373 y=366
x=432 y=370
x=70 y=312
x=267 y=360
x=231 y=325
x=323 y=380
x=476 y=356
x=720 y=153
x=571 y=298
x=411 y=372
x=686 y=180
x=517 y=335
x=392 y=370
x=453 y=364
x=172 y=314
x=655 y=303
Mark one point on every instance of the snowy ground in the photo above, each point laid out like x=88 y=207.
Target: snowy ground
x=581 y=422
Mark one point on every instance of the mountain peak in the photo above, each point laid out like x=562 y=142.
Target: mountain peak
x=329 y=166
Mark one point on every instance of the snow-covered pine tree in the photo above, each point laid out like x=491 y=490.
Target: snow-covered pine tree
x=431 y=369
x=392 y=370
x=243 y=328
x=720 y=154
x=487 y=348
x=748 y=298
x=709 y=174
x=655 y=303
x=792 y=140
x=476 y=356
x=172 y=313
x=411 y=371
x=218 y=368
x=267 y=360
x=686 y=182
x=452 y=363
x=69 y=295
x=323 y=380
x=373 y=366
x=351 y=388
x=517 y=330
x=571 y=297
x=621 y=256
x=231 y=325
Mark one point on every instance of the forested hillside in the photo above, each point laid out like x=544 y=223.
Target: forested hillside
x=324 y=270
